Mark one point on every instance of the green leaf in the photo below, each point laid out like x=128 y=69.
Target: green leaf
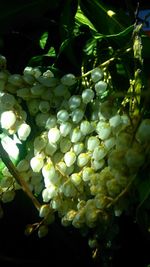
x=43 y=40
x=124 y=33
x=67 y=48
x=82 y=19
x=104 y=18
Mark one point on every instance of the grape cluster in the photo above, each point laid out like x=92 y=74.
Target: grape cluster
x=81 y=153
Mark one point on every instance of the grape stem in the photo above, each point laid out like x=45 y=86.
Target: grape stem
x=123 y=192
x=12 y=169
x=107 y=62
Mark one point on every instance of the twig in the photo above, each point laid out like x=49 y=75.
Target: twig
x=123 y=192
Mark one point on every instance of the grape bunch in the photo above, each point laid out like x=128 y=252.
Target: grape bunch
x=81 y=151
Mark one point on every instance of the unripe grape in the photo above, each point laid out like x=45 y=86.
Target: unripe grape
x=65 y=145
x=83 y=159
x=41 y=119
x=62 y=115
x=60 y=90
x=33 y=106
x=115 y=121
x=74 y=102
x=85 y=127
x=77 y=115
x=92 y=143
x=96 y=74
x=49 y=219
x=6 y=182
x=53 y=135
x=51 y=148
x=7 y=101
x=143 y=132
x=58 y=156
x=44 y=106
x=75 y=135
x=78 y=148
x=68 y=79
x=45 y=195
x=91 y=217
x=97 y=165
x=109 y=143
x=79 y=219
x=37 y=163
x=37 y=90
x=23 y=165
x=65 y=128
x=113 y=187
x=48 y=171
x=134 y=158
x=61 y=167
x=100 y=87
x=29 y=79
x=76 y=178
x=24 y=93
x=15 y=79
x=8 y=196
x=23 y=131
x=69 y=158
x=69 y=189
x=86 y=173
x=103 y=130
x=39 y=143
x=52 y=190
x=42 y=231
x=99 y=153
x=48 y=74
x=51 y=122
x=48 y=82
x=87 y=96
x=44 y=211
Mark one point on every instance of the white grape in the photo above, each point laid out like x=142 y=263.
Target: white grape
x=62 y=115
x=83 y=159
x=65 y=128
x=51 y=122
x=8 y=119
x=96 y=74
x=77 y=115
x=78 y=148
x=74 y=102
x=76 y=178
x=37 y=163
x=87 y=95
x=92 y=143
x=100 y=87
x=53 y=135
x=44 y=106
x=103 y=130
x=23 y=131
x=75 y=135
x=69 y=158
x=68 y=79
